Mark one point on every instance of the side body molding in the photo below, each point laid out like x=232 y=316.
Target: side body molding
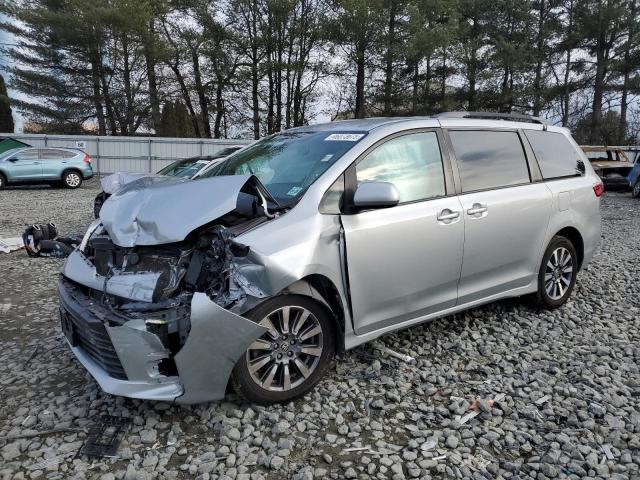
x=216 y=341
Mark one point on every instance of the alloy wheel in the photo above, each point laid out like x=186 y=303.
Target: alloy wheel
x=289 y=352
x=72 y=179
x=558 y=273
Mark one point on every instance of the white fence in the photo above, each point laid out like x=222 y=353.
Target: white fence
x=130 y=154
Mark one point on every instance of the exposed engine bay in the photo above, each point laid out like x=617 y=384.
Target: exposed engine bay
x=203 y=262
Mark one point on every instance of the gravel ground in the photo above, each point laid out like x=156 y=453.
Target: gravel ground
x=570 y=380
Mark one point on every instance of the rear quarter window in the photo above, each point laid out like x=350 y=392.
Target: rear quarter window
x=556 y=156
x=50 y=154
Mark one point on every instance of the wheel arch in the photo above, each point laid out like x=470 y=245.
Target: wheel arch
x=573 y=235
x=322 y=289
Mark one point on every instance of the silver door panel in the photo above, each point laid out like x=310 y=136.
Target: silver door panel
x=403 y=262
x=504 y=234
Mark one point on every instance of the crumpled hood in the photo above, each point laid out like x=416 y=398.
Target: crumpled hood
x=158 y=210
x=111 y=183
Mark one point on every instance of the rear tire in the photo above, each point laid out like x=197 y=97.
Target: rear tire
x=557 y=274
x=635 y=191
x=3 y=181
x=71 y=179
x=289 y=359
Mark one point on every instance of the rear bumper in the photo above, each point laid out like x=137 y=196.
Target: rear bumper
x=126 y=359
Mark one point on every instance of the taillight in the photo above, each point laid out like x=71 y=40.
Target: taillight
x=86 y=159
x=598 y=189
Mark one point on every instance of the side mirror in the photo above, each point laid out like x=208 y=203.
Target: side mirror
x=12 y=159
x=375 y=195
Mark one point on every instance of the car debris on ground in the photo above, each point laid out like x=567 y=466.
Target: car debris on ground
x=42 y=240
x=11 y=244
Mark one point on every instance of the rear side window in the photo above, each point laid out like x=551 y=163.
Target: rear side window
x=489 y=159
x=411 y=162
x=50 y=154
x=68 y=154
x=556 y=156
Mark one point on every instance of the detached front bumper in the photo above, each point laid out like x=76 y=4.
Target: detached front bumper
x=125 y=358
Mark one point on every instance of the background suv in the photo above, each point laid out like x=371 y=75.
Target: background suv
x=57 y=166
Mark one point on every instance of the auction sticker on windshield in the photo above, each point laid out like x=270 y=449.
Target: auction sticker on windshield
x=294 y=191
x=344 y=137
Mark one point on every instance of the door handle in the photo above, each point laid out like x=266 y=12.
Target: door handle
x=447 y=215
x=477 y=209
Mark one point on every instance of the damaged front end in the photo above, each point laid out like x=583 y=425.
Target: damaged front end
x=151 y=308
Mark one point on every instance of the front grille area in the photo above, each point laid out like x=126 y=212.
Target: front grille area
x=90 y=335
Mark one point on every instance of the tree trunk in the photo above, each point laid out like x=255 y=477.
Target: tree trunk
x=443 y=81
x=111 y=118
x=598 y=85
x=279 y=49
x=388 y=83
x=271 y=99
x=426 y=101
x=202 y=94
x=219 y=110
x=187 y=99
x=627 y=65
x=254 y=93
x=97 y=103
x=537 y=81
x=360 y=71
x=150 y=60
x=415 y=80
x=566 y=95
x=126 y=124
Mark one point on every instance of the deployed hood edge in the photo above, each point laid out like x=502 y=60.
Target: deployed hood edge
x=161 y=210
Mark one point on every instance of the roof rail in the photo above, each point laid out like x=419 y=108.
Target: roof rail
x=515 y=117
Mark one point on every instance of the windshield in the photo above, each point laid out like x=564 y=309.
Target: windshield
x=184 y=168
x=288 y=163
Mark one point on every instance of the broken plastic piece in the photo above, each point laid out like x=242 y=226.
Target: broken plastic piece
x=542 y=400
x=606 y=448
x=355 y=449
x=398 y=355
x=428 y=445
x=10 y=244
x=105 y=437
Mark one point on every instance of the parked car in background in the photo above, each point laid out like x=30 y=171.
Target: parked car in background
x=611 y=164
x=186 y=168
x=634 y=177
x=318 y=239
x=66 y=167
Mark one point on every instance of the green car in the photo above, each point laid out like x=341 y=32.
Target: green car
x=57 y=166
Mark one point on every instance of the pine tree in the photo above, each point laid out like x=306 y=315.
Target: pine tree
x=6 y=118
x=175 y=121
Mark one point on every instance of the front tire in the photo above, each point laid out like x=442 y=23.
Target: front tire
x=292 y=356
x=71 y=179
x=3 y=181
x=98 y=202
x=557 y=274
x=635 y=191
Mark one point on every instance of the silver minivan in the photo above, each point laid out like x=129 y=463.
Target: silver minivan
x=318 y=239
